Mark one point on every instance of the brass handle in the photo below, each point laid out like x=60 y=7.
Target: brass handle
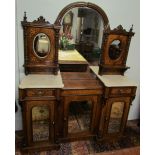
x=53 y=123
x=65 y=118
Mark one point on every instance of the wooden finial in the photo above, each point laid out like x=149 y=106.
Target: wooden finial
x=131 y=28
x=25 y=18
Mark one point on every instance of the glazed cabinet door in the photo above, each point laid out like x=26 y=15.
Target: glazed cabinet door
x=79 y=116
x=40 y=122
x=115 y=116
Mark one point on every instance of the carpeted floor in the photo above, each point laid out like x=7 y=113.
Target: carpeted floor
x=131 y=139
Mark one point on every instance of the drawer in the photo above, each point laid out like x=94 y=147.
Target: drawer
x=40 y=92
x=81 y=92
x=120 y=91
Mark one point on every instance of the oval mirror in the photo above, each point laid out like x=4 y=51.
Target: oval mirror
x=115 y=50
x=41 y=45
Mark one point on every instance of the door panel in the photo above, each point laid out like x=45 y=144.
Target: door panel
x=40 y=123
x=115 y=119
x=79 y=118
x=116 y=115
x=40 y=118
x=79 y=114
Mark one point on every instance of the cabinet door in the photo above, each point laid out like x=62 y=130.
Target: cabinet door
x=116 y=115
x=40 y=121
x=79 y=115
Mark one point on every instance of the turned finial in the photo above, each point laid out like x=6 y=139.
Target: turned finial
x=25 y=18
x=131 y=28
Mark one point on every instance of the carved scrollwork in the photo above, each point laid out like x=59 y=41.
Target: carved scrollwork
x=41 y=20
x=120 y=30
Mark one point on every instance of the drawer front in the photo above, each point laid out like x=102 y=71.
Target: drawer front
x=81 y=92
x=120 y=91
x=40 y=92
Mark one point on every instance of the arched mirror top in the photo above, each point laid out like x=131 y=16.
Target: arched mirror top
x=82 y=25
x=83 y=5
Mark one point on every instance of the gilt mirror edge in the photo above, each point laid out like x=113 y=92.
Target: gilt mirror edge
x=41 y=45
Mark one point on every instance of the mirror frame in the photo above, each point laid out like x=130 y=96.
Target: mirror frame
x=105 y=20
x=32 y=63
x=82 y=5
x=118 y=66
x=34 y=49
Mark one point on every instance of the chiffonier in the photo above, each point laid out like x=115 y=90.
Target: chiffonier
x=75 y=101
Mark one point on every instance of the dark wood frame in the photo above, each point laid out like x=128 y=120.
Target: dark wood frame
x=32 y=63
x=29 y=98
x=29 y=106
x=83 y=134
x=83 y=4
x=117 y=66
x=110 y=101
x=125 y=94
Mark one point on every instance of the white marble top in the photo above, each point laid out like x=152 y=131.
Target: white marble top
x=113 y=80
x=41 y=81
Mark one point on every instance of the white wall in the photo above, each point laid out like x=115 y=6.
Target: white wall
x=125 y=12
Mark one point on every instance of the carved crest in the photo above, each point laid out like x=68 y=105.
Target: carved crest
x=119 y=30
x=41 y=20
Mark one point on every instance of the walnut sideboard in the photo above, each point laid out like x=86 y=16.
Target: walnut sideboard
x=53 y=107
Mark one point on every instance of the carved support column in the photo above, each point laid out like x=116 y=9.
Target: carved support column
x=56 y=29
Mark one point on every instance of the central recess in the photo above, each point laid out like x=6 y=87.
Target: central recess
x=79 y=116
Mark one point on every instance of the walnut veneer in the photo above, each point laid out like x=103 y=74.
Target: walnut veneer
x=78 y=87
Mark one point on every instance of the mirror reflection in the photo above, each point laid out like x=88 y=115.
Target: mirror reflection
x=115 y=50
x=82 y=29
x=41 y=45
x=79 y=116
x=40 y=123
x=115 y=117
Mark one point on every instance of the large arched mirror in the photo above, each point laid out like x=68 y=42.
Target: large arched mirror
x=82 y=30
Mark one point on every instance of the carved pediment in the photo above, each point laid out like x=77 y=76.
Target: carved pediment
x=119 y=30
x=41 y=20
